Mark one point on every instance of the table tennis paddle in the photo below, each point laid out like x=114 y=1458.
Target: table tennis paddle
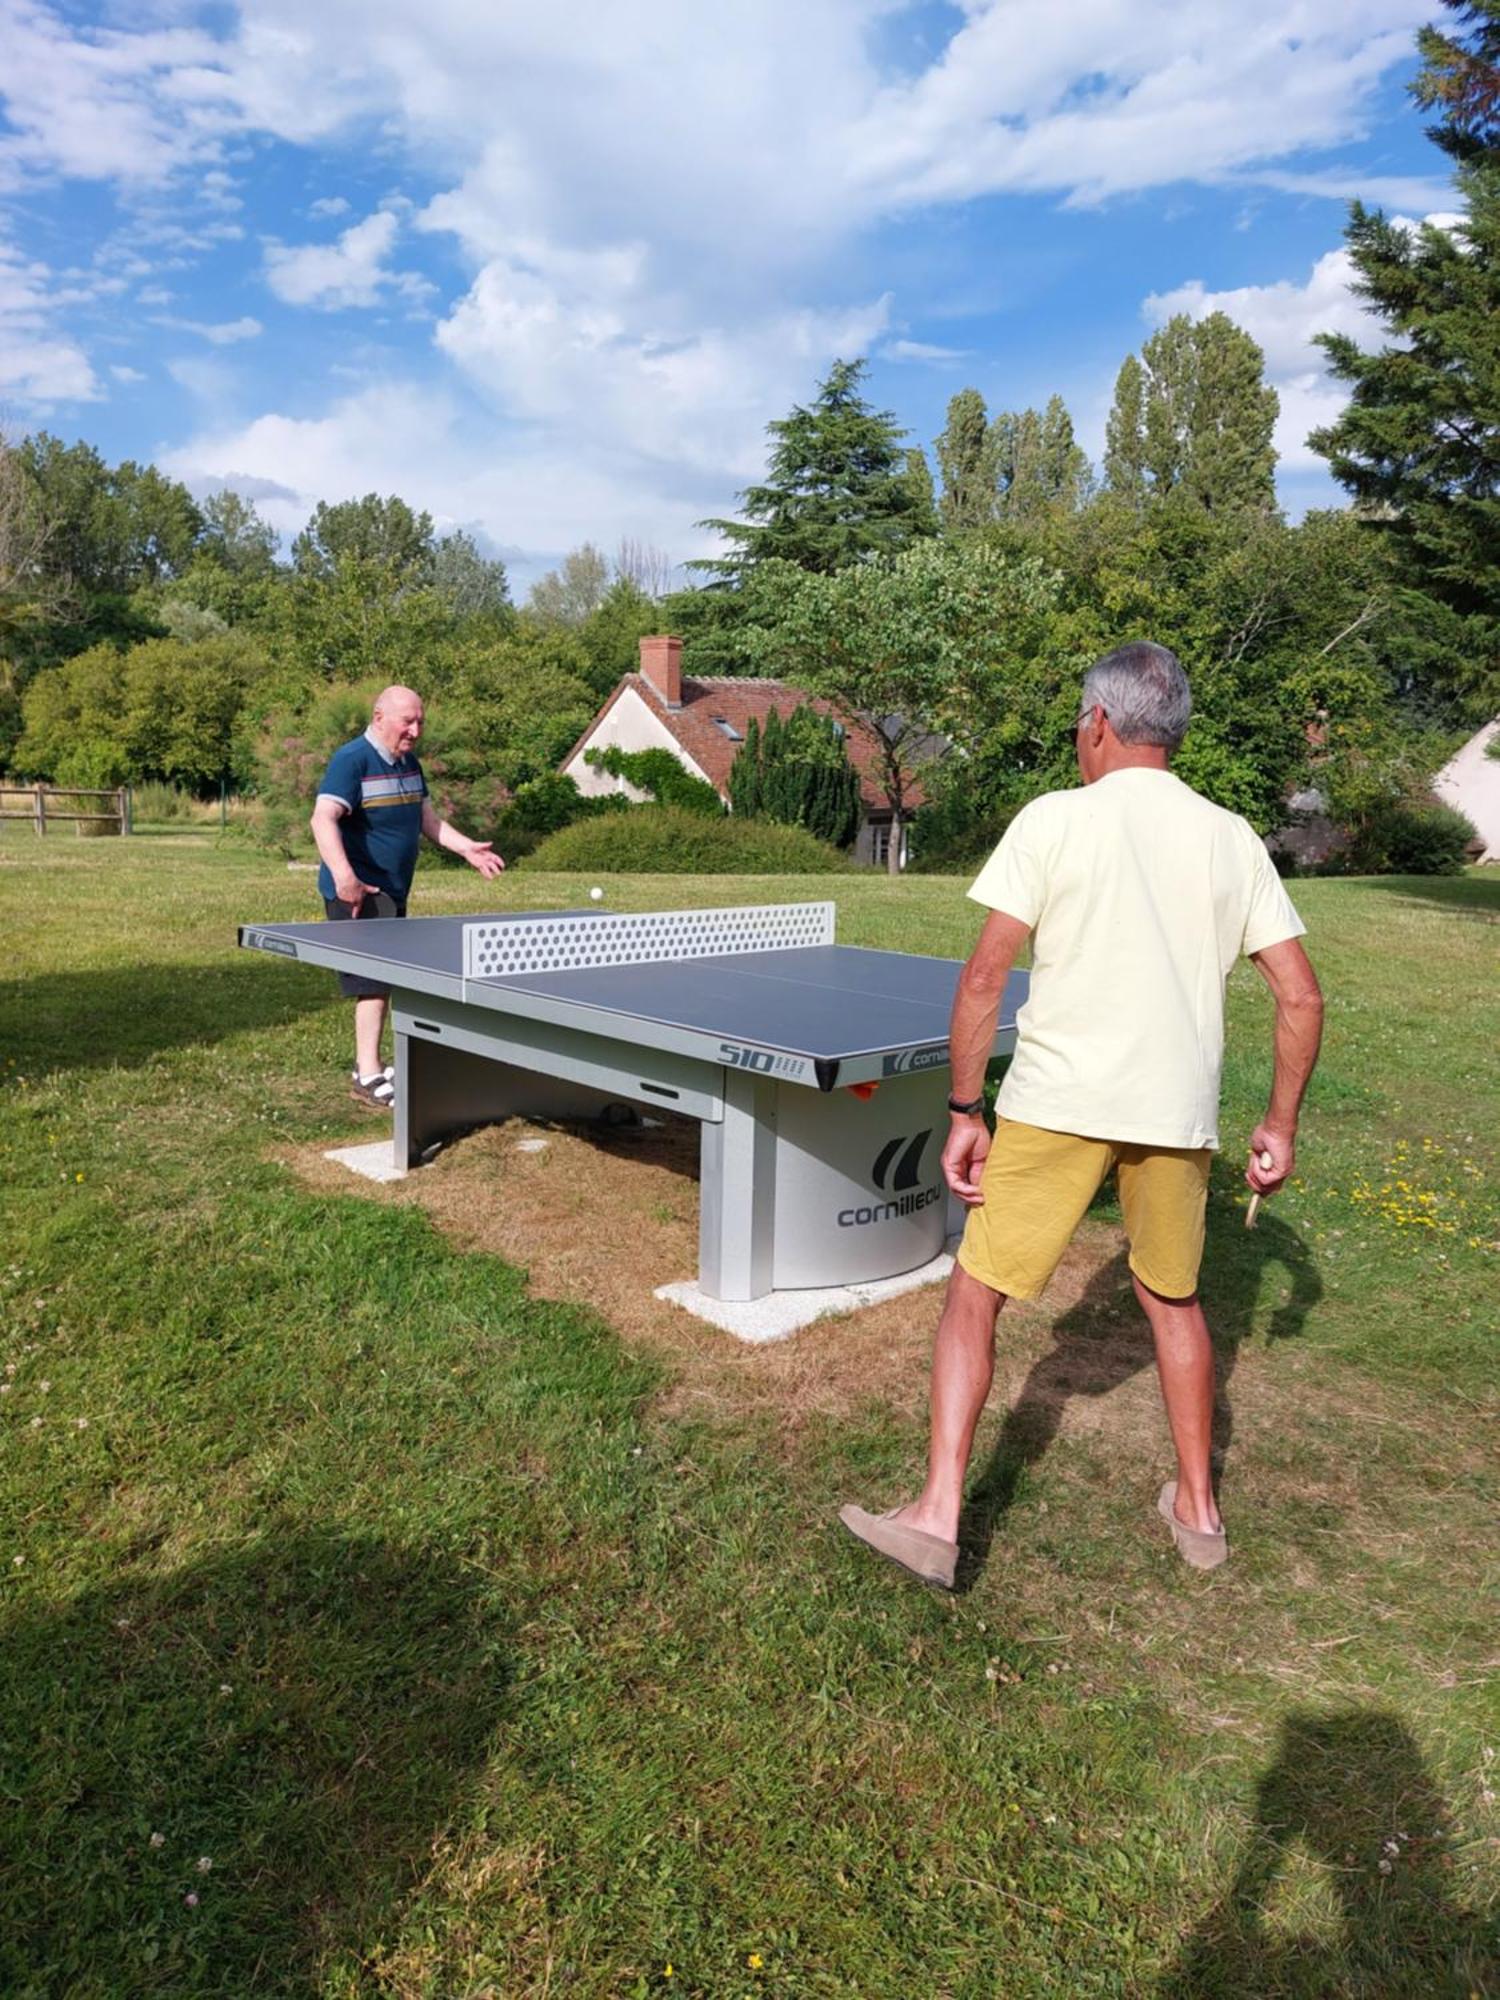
x=1266 y=1163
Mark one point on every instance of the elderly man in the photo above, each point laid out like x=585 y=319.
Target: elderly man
x=1137 y=896
x=371 y=813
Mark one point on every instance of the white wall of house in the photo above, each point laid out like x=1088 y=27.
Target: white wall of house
x=630 y=725
x=1471 y=781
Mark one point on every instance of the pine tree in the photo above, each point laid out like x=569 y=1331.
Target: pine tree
x=1418 y=444
x=797 y=772
x=838 y=488
x=966 y=463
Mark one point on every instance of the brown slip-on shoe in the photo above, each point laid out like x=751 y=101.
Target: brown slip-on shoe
x=925 y=1556
x=1193 y=1545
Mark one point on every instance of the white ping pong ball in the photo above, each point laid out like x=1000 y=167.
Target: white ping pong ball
x=596 y=895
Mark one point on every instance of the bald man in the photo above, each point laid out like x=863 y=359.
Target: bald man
x=371 y=813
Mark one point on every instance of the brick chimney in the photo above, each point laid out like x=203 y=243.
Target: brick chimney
x=661 y=664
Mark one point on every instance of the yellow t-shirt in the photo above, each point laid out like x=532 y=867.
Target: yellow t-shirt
x=1140 y=896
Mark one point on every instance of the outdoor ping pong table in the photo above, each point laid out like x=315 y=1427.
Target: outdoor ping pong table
x=751 y=1021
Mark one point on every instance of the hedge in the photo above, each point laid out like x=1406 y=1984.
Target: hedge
x=662 y=840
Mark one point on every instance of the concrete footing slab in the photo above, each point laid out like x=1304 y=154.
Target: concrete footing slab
x=376 y=1161
x=778 y=1315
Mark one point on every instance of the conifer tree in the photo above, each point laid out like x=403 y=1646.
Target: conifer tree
x=838 y=488
x=1418 y=444
x=966 y=464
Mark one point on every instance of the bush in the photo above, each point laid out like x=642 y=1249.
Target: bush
x=662 y=840
x=797 y=771
x=1423 y=838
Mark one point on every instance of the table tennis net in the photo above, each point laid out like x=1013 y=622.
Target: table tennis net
x=501 y=949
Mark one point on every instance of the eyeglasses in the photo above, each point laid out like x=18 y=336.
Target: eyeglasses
x=1087 y=715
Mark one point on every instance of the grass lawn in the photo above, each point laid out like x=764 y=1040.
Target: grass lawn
x=377 y=1624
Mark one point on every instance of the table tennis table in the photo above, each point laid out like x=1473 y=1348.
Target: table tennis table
x=817 y=1072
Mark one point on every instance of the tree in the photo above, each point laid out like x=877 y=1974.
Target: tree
x=948 y=646
x=1036 y=462
x=837 y=490
x=373 y=532
x=1418 y=444
x=1194 y=419
x=797 y=772
x=573 y=591
x=466 y=583
x=966 y=464
x=162 y=709
x=644 y=565
x=1125 y=435
x=235 y=538
x=611 y=636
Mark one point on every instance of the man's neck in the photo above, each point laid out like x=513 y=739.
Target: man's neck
x=1131 y=757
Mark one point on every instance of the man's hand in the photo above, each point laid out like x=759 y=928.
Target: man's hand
x=1267 y=1142
x=349 y=889
x=481 y=854
x=964 y=1156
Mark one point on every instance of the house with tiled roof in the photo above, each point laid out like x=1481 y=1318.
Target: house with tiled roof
x=703 y=723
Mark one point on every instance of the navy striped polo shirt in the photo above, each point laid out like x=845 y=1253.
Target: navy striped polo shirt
x=382 y=826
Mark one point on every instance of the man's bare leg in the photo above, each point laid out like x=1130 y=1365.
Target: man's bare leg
x=1185 y=1365
x=369 y=1020
x=963 y=1366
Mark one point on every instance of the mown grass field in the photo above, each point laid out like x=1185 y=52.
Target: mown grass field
x=375 y=1626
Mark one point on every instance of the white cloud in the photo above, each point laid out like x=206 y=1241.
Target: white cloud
x=329 y=207
x=39 y=364
x=921 y=350
x=127 y=375
x=350 y=272
x=222 y=333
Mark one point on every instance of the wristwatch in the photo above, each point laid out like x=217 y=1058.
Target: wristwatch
x=966 y=1110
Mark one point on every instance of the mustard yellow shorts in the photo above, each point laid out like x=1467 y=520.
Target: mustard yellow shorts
x=1037 y=1185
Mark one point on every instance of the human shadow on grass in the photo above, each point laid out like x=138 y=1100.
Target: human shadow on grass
x=1104 y=1340
x=1349 y=1792
x=122 y=1016
x=216 y=1780
x=1474 y=896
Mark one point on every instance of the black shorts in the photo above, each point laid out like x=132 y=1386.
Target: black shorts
x=354 y=985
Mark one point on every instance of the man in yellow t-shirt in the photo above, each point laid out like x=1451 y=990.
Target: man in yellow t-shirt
x=1137 y=896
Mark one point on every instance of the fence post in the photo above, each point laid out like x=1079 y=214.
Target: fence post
x=41 y=811
x=124 y=802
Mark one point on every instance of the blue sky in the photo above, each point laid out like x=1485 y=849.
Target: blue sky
x=549 y=269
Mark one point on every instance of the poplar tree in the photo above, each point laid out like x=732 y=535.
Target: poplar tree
x=966 y=465
x=1194 y=418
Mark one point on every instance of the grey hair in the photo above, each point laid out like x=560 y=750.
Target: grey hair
x=1144 y=692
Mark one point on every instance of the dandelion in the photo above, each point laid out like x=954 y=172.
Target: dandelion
x=78 y=1177
x=755 y=1961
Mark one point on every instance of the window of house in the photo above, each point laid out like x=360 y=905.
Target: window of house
x=727 y=728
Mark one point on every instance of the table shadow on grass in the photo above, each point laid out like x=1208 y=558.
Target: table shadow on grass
x=122 y=1016
x=1349 y=1794
x=1104 y=1340
x=304 y=1714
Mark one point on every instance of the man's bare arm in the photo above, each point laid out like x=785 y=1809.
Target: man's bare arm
x=329 y=839
x=971 y=1036
x=1288 y=972
x=479 y=854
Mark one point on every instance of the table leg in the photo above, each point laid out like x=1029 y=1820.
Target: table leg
x=737 y=1191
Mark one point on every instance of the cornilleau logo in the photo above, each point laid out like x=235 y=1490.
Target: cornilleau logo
x=897 y=1171
x=904 y=1061
x=898 y=1166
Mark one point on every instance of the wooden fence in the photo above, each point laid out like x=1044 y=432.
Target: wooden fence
x=45 y=804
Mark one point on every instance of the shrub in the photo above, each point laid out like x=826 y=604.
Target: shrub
x=798 y=772
x=662 y=840
x=1409 y=838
